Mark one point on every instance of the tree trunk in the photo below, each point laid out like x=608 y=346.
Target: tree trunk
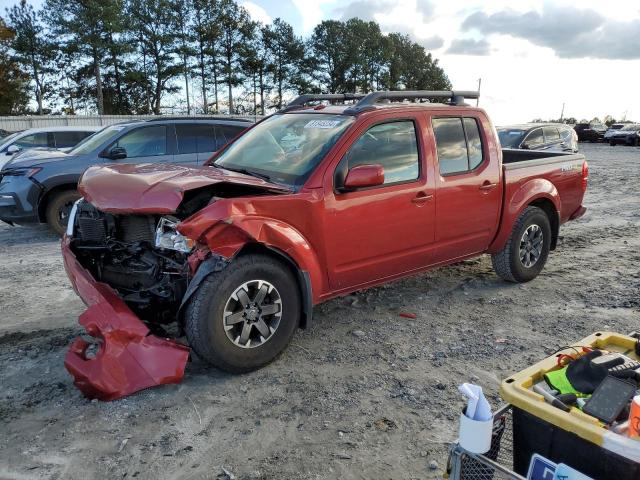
x=205 y=107
x=280 y=81
x=96 y=71
x=116 y=72
x=156 y=106
x=38 y=89
x=214 y=64
x=186 y=83
x=255 y=94
x=261 y=90
x=229 y=82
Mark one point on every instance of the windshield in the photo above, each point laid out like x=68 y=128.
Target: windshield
x=510 y=137
x=631 y=127
x=6 y=140
x=94 y=141
x=285 y=147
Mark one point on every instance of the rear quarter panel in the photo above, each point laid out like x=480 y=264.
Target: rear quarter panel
x=558 y=181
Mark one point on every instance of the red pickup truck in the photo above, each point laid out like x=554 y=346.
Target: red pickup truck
x=313 y=202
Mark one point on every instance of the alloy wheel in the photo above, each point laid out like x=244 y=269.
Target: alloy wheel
x=252 y=314
x=531 y=245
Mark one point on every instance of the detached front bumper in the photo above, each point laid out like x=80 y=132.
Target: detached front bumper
x=129 y=359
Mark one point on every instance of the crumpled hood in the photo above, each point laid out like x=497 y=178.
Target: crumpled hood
x=156 y=188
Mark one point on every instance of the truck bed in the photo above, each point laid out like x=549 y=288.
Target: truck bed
x=516 y=158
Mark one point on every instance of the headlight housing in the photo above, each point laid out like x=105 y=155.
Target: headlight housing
x=168 y=237
x=21 y=172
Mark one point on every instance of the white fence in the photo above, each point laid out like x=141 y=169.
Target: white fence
x=13 y=124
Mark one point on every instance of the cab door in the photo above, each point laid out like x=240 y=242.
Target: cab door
x=383 y=231
x=468 y=187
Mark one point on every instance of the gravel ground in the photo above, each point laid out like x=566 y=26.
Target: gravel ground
x=364 y=393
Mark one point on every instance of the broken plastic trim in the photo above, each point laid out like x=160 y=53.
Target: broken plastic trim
x=129 y=358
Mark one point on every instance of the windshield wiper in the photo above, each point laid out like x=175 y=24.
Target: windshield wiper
x=263 y=176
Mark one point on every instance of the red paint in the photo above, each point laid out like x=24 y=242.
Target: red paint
x=363 y=176
x=129 y=358
x=408 y=315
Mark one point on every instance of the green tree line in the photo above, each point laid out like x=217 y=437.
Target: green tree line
x=207 y=56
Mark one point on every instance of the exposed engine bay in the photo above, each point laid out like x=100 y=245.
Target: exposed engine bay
x=142 y=257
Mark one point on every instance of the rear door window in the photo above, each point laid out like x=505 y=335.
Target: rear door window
x=458 y=144
x=69 y=139
x=186 y=135
x=33 y=140
x=551 y=134
x=145 y=142
x=474 y=142
x=535 y=138
x=226 y=133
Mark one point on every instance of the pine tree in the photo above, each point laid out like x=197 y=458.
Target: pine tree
x=32 y=49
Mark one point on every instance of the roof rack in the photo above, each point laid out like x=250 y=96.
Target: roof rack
x=456 y=97
x=195 y=117
x=302 y=100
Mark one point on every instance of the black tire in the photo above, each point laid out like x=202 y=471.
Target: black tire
x=58 y=209
x=507 y=263
x=613 y=144
x=204 y=316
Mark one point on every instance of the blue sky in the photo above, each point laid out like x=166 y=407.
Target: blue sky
x=532 y=55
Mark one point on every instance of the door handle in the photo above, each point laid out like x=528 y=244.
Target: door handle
x=421 y=198
x=487 y=185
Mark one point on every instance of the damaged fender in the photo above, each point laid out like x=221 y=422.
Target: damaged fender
x=129 y=359
x=226 y=234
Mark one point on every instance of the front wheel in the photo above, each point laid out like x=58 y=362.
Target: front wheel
x=58 y=210
x=243 y=317
x=527 y=249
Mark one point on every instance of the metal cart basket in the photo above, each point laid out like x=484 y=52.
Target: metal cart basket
x=496 y=464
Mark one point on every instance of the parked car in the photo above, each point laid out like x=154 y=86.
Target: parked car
x=536 y=136
x=41 y=185
x=49 y=137
x=612 y=129
x=627 y=135
x=240 y=251
x=590 y=132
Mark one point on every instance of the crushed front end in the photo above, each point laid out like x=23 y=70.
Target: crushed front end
x=132 y=271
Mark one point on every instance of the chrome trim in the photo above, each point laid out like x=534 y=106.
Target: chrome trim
x=71 y=223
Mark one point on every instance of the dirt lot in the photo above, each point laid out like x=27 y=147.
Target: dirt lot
x=364 y=393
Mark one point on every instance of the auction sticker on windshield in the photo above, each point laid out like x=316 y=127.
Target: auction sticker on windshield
x=323 y=124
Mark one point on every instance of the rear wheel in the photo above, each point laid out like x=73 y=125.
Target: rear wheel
x=59 y=208
x=527 y=249
x=243 y=317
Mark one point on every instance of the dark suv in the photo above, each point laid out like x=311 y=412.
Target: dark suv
x=590 y=132
x=40 y=186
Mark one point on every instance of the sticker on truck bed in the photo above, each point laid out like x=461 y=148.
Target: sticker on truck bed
x=323 y=124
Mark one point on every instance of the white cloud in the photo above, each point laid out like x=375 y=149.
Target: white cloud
x=521 y=79
x=311 y=12
x=257 y=13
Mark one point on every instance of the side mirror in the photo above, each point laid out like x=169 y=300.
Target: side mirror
x=13 y=149
x=117 y=153
x=363 y=176
x=525 y=146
